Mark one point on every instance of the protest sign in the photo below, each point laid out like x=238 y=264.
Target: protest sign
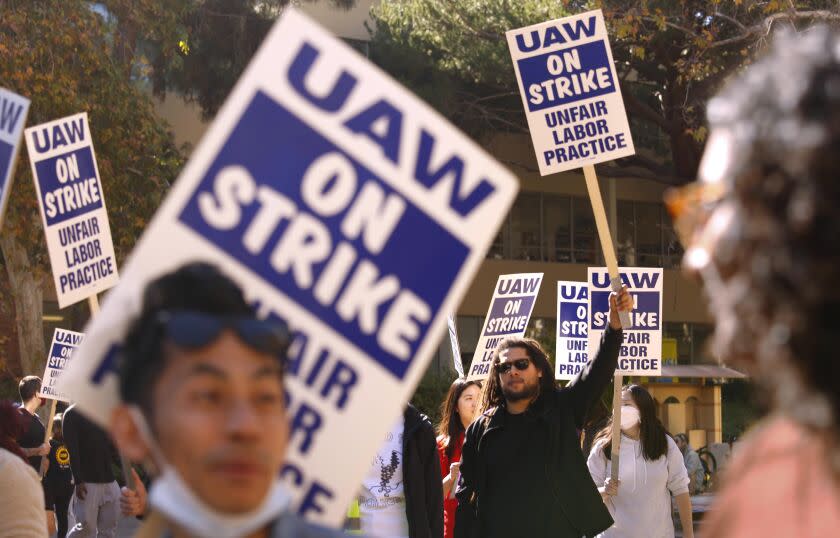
x=570 y=92
x=64 y=342
x=324 y=189
x=641 y=349
x=508 y=315
x=72 y=207
x=13 y=111
x=571 y=345
x=455 y=346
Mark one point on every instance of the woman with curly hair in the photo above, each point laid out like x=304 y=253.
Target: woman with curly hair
x=22 y=512
x=761 y=227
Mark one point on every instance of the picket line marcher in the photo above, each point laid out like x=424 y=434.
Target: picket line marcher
x=572 y=100
x=63 y=344
x=323 y=188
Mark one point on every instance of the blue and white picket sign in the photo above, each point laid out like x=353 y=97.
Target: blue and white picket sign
x=570 y=92
x=572 y=342
x=72 y=207
x=342 y=204
x=510 y=309
x=64 y=344
x=454 y=345
x=641 y=350
x=13 y=111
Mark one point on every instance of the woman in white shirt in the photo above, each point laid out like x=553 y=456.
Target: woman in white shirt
x=651 y=469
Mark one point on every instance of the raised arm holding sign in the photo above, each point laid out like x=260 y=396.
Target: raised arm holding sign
x=575 y=114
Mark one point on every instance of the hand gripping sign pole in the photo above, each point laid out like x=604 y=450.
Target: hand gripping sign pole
x=576 y=117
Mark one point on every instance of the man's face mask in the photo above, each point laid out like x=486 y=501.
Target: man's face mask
x=171 y=496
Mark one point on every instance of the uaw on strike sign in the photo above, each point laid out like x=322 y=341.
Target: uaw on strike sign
x=13 y=110
x=570 y=91
x=510 y=309
x=72 y=208
x=342 y=204
x=64 y=343
x=641 y=348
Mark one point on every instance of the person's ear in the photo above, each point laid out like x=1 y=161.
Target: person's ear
x=127 y=435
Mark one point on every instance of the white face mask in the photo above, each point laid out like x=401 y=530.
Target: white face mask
x=629 y=417
x=172 y=497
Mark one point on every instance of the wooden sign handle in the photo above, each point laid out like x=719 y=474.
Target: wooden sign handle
x=612 y=267
x=47 y=435
x=604 y=234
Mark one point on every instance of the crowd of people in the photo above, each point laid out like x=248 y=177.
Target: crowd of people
x=203 y=408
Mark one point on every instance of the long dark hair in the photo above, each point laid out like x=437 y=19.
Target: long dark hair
x=492 y=395
x=12 y=425
x=653 y=436
x=450 y=426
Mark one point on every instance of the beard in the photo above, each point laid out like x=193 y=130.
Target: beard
x=527 y=392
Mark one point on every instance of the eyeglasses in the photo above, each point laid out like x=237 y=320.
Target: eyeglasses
x=192 y=330
x=521 y=364
x=690 y=206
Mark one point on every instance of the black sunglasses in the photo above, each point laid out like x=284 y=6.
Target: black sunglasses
x=521 y=364
x=192 y=330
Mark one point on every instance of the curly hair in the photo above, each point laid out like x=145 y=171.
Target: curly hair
x=780 y=257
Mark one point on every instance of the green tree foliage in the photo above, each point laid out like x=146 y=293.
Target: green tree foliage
x=63 y=55
x=197 y=48
x=670 y=56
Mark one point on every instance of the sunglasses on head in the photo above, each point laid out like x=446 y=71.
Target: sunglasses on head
x=192 y=330
x=521 y=364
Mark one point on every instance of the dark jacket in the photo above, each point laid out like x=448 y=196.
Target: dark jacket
x=91 y=452
x=421 y=474
x=563 y=412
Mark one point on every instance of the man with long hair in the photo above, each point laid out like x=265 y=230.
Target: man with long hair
x=522 y=470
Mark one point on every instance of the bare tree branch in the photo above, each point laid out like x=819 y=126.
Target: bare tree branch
x=767 y=23
x=634 y=105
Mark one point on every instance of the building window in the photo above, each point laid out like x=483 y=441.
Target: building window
x=585 y=244
x=648 y=234
x=558 y=228
x=625 y=240
x=526 y=227
x=691 y=341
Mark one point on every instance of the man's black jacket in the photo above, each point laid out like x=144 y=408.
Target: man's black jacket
x=421 y=474
x=563 y=413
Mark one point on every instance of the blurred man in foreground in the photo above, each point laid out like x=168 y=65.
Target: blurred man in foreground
x=202 y=384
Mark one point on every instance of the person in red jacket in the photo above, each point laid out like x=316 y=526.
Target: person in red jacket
x=456 y=412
